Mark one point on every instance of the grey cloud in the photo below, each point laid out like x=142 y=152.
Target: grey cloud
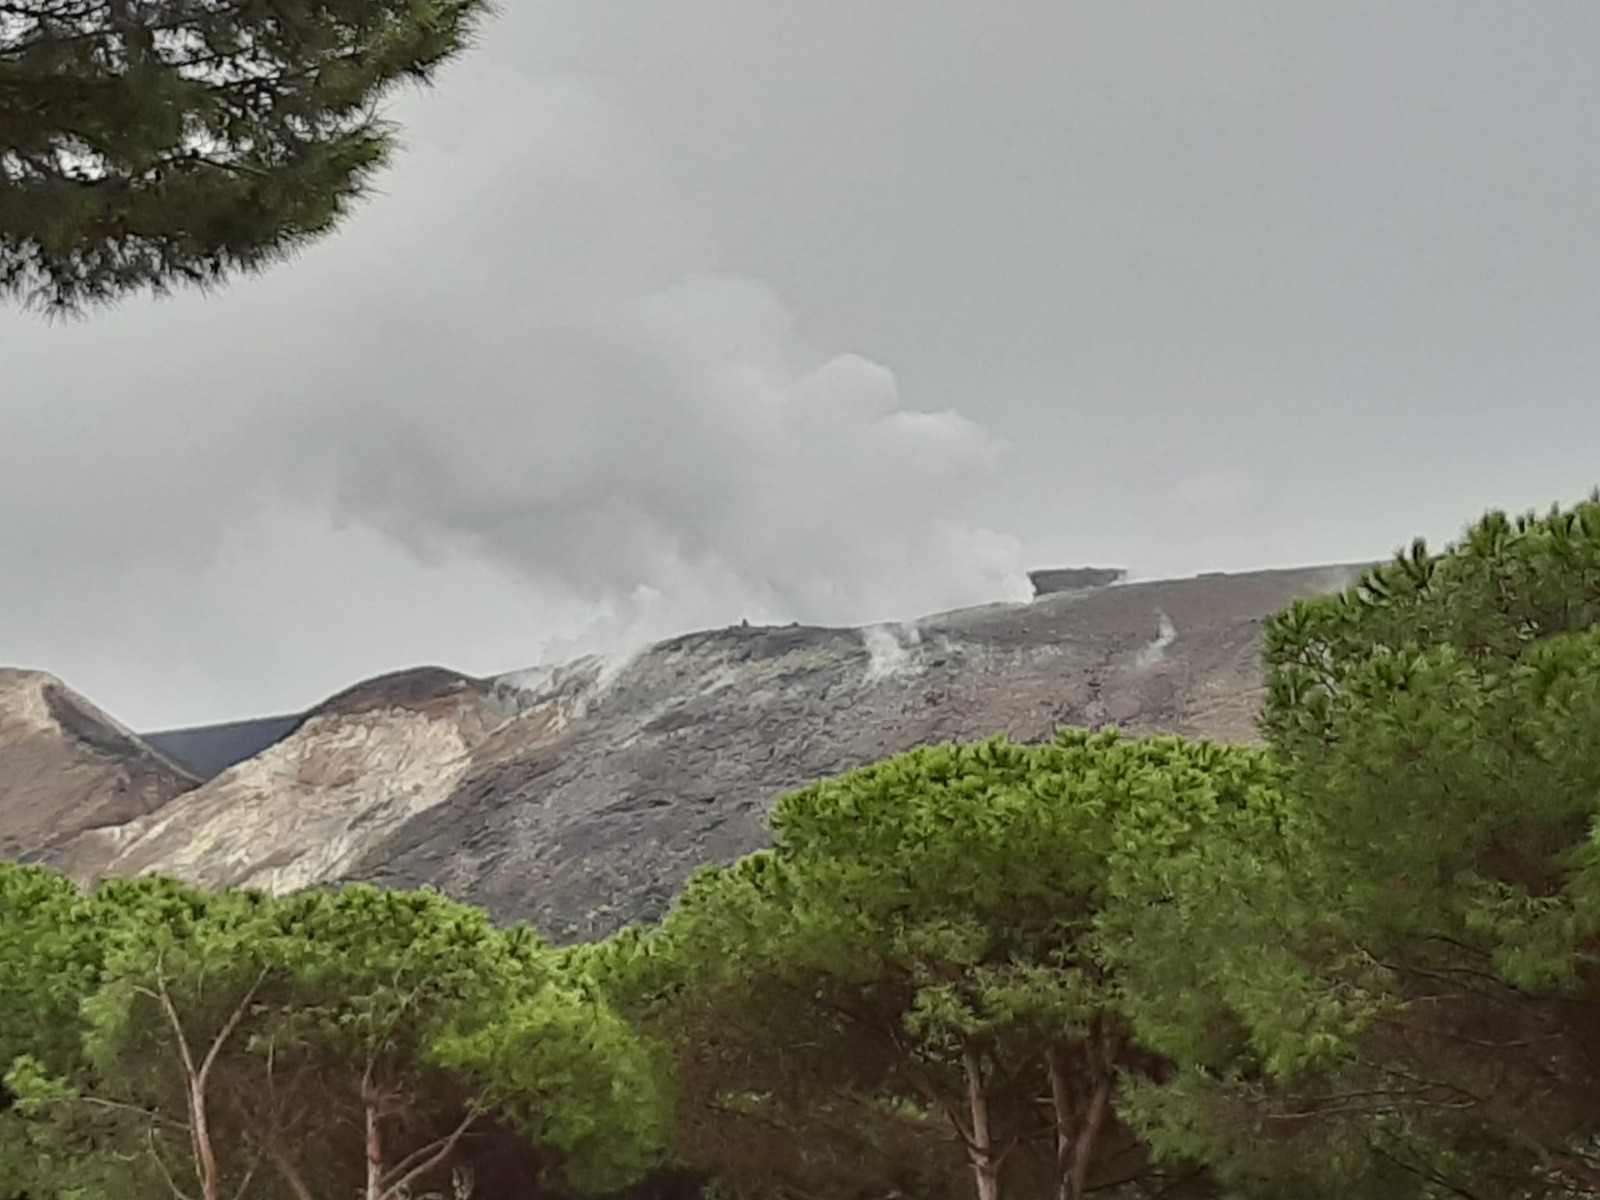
x=673 y=314
x=597 y=423
x=506 y=362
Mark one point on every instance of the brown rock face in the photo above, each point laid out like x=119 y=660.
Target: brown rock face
x=304 y=809
x=582 y=798
x=66 y=767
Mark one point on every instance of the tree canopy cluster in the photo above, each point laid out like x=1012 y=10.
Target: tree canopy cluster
x=1357 y=960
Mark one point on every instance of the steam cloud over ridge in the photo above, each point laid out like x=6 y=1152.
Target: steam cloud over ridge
x=660 y=440
x=513 y=368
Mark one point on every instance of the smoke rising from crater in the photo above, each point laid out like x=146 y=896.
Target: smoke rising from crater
x=605 y=419
x=1155 y=651
x=508 y=414
x=891 y=650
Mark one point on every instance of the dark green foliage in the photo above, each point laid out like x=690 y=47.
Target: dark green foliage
x=1407 y=961
x=917 y=959
x=150 y=143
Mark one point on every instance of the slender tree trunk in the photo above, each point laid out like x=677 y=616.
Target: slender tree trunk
x=374 y=1148
x=205 y=1158
x=1080 y=1125
x=390 y=1181
x=196 y=1079
x=1077 y=1181
x=980 y=1144
x=1063 y=1103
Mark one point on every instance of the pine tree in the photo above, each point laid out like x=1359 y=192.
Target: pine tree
x=146 y=144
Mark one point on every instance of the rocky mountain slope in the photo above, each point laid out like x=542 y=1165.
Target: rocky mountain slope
x=67 y=767
x=674 y=762
x=581 y=798
x=308 y=808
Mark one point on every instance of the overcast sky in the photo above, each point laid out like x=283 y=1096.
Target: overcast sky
x=680 y=311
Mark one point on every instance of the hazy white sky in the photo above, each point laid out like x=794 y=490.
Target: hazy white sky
x=680 y=311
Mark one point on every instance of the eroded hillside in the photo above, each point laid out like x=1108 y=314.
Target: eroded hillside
x=582 y=798
x=67 y=767
x=675 y=761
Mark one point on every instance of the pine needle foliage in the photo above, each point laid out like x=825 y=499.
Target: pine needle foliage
x=153 y=144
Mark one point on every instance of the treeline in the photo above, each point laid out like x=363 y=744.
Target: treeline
x=1361 y=961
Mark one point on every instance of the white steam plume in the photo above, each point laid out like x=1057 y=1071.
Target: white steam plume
x=564 y=398
x=1166 y=634
x=891 y=650
x=504 y=415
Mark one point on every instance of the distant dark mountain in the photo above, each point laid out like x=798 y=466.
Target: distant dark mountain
x=209 y=750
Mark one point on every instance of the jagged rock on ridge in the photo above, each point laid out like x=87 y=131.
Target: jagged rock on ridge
x=1070 y=579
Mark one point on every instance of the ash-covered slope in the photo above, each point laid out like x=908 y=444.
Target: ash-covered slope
x=66 y=767
x=674 y=762
x=581 y=798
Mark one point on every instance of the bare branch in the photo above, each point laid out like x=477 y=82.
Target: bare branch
x=232 y=1023
x=161 y=1164
x=290 y=1173
x=244 y=1183
x=150 y=1115
x=440 y=1149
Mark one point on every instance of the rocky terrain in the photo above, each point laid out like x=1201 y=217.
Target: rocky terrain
x=304 y=809
x=67 y=767
x=580 y=798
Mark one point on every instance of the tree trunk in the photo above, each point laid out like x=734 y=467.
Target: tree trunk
x=1079 y=1126
x=374 y=1147
x=196 y=1077
x=980 y=1143
x=205 y=1159
x=1077 y=1180
x=1063 y=1103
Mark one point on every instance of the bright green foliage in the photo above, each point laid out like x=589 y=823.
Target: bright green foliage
x=48 y=957
x=353 y=1042
x=403 y=995
x=566 y=1071
x=768 y=1088
x=1411 y=953
x=923 y=937
x=1454 y=699
x=50 y=951
x=147 y=143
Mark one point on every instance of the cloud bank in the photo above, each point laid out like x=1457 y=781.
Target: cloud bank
x=600 y=418
x=515 y=360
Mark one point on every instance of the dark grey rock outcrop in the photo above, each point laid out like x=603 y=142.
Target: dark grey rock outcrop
x=1072 y=579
